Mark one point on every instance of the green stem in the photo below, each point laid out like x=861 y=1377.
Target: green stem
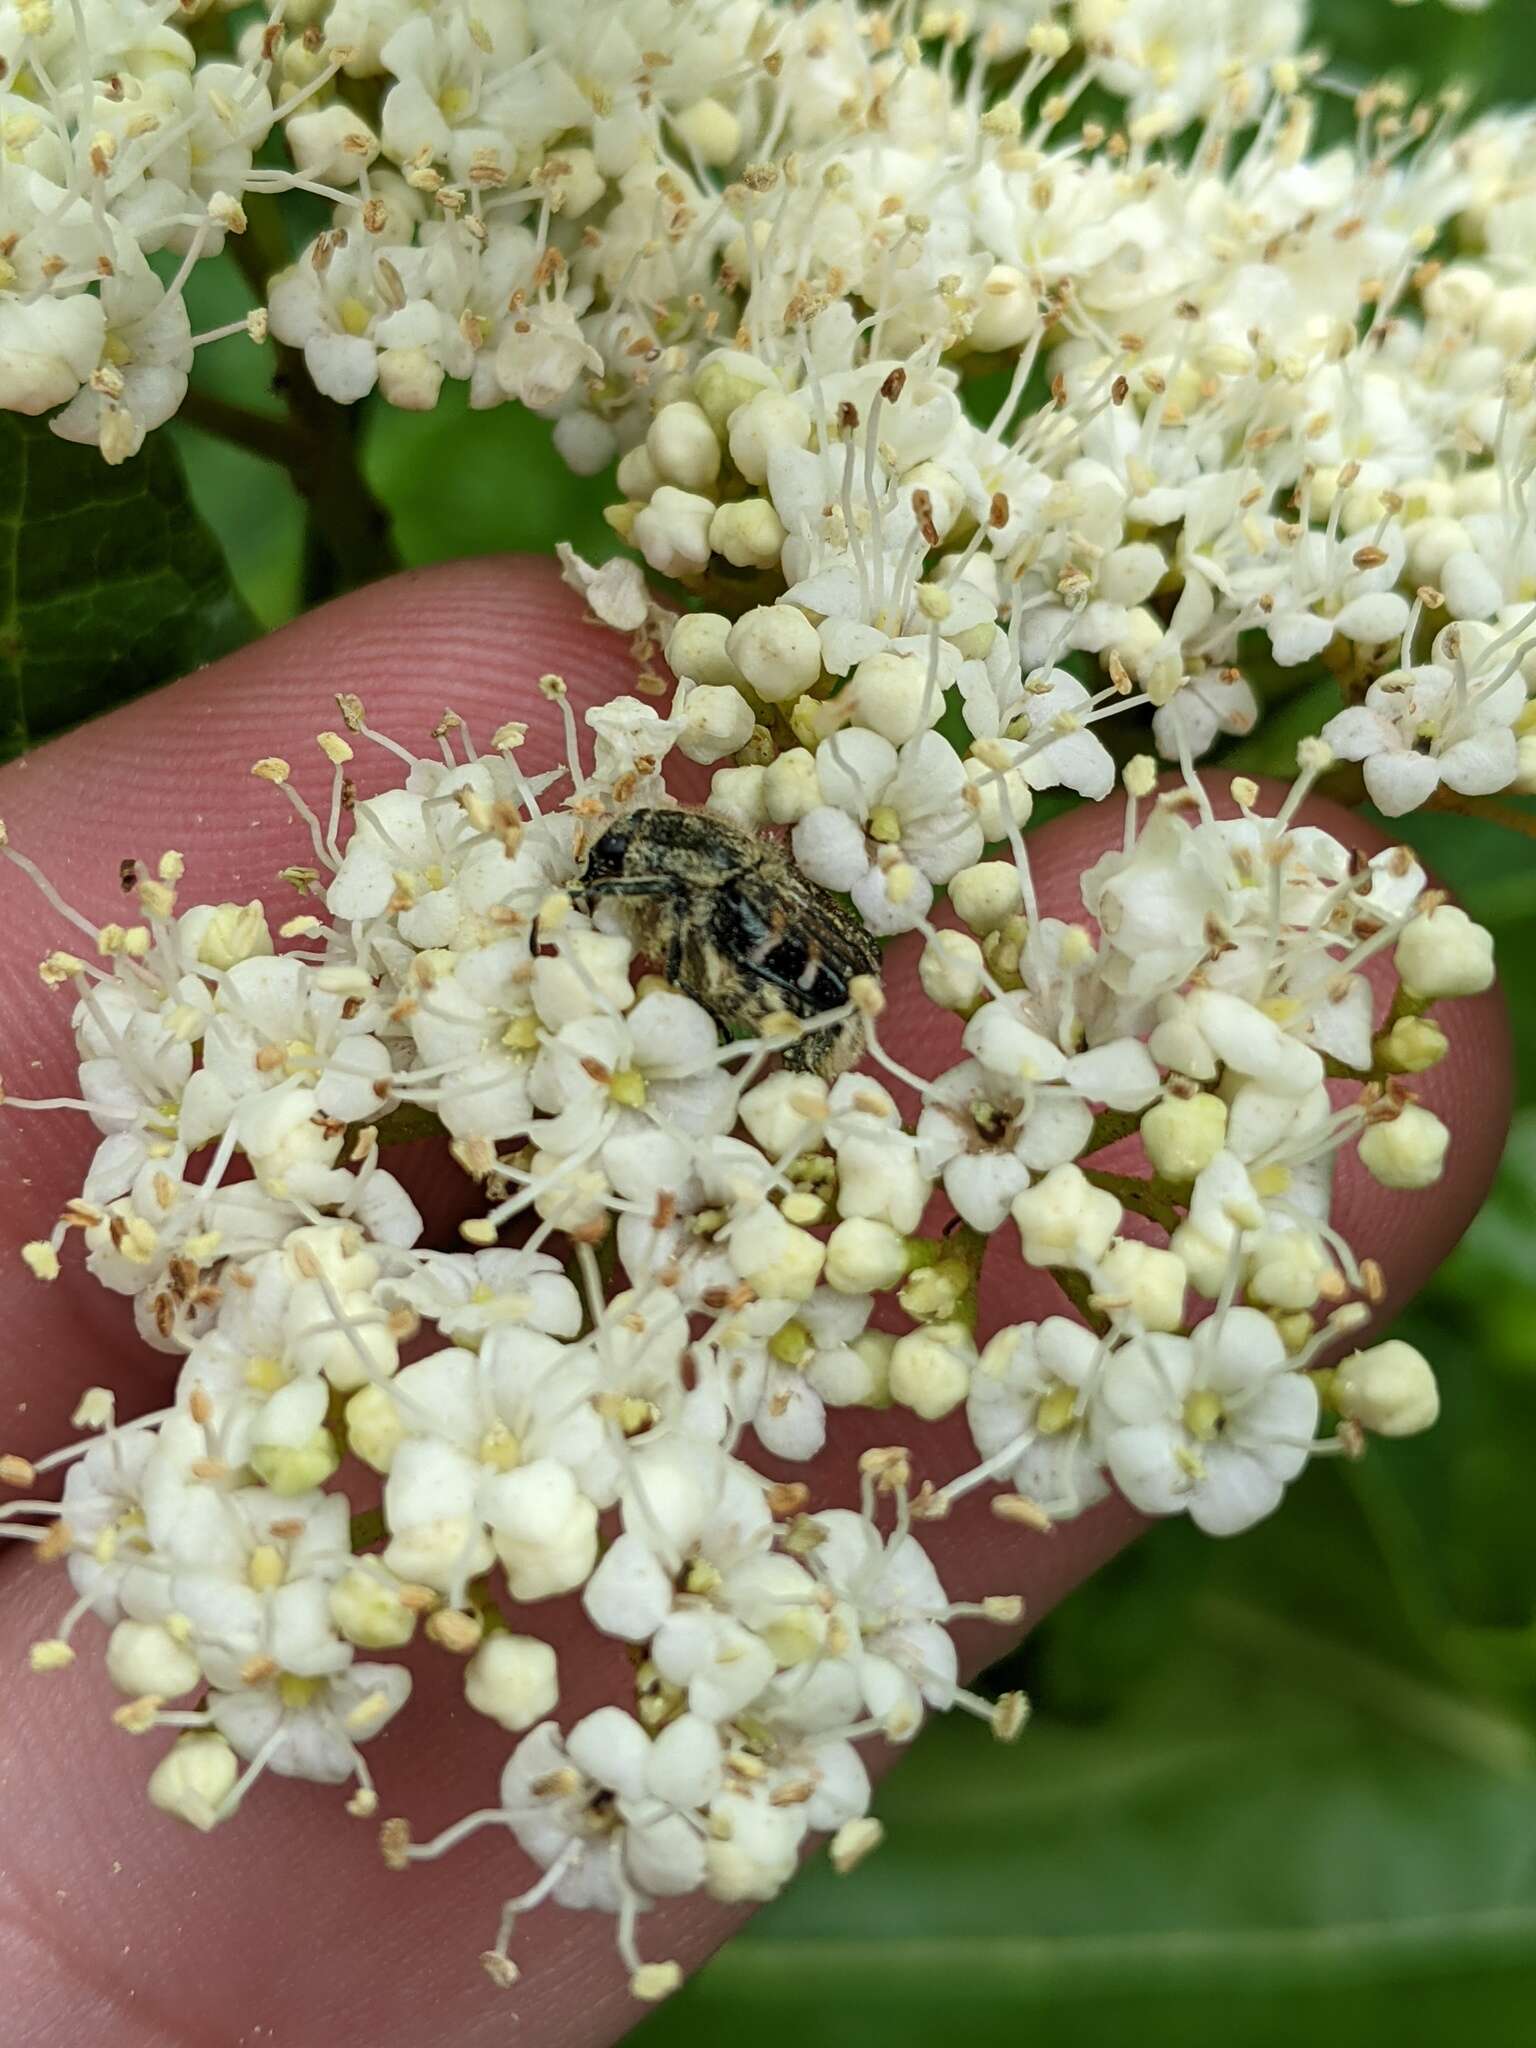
x=483 y=1602
x=954 y=1259
x=349 y=531
x=260 y=433
x=1142 y=1196
x=1079 y=1291
x=1487 y=808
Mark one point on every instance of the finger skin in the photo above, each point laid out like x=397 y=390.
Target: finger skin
x=117 y=1925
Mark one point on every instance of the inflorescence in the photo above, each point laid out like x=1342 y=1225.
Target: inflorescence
x=1243 y=398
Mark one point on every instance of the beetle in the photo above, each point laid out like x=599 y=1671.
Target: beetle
x=736 y=926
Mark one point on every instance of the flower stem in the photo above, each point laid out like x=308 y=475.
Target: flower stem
x=1488 y=808
x=1079 y=1290
x=1140 y=1195
x=348 y=539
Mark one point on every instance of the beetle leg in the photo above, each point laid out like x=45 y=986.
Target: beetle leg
x=634 y=885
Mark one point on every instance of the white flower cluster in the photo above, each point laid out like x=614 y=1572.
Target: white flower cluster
x=1256 y=391
x=692 y=1248
x=755 y=253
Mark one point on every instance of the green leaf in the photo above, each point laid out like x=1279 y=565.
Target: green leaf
x=109 y=581
x=457 y=482
x=1269 y=1843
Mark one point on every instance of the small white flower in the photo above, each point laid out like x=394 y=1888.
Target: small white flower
x=779 y=1383
x=1420 y=727
x=601 y=1078
x=894 y=822
x=1215 y=1423
x=610 y=1808
x=1031 y=1414
x=504 y=1454
x=311 y=1727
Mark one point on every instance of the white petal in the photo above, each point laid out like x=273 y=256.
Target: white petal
x=829 y=846
x=1486 y=761
x=1397 y=783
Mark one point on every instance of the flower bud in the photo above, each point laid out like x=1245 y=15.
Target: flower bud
x=727 y=380
x=144 y=1658
x=1443 y=953
x=374 y=1428
x=748 y=533
x=791 y=786
x=776 y=649
x=865 y=1256
x=1412 y=1046
x=512 y=1679
x=1389 y=1389
x=739 y=794
x=856 y=1375
x=931 y=1369
x=946 y=497
x=1007 y=310
x=1149 y=1282
x=681 y=444
x=672 y=531
x=1509 y=321
x=589 y=974
x=783 y=1111
x=636 y=477
x=767 y=421
x=410 y=378
x=1469 y=587
x=1183 y=1133
x=194 y=1778
x=717 y=720
x=572 y=181
x=881 y=1181
x=696 y=649
x=568 y=1200
x=367 y=1608
x=774 y=1257
x=754 y=1852
x=1459 y=294
x=1286 y=1269
x=546 y=1531
x=584 y=443
x=710 y=130
x=999 y=797
x=1373 y=619
x=1432 y=543
x=952 y=971
x=296 y=1468
x=226 y=933
x=1204 y=1262
x=331 y=145
x=987 y=895
x=1408 y=1152
x=1064 y=1220
x=887 y=693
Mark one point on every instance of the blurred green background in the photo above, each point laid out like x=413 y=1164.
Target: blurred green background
x=1281 y=1788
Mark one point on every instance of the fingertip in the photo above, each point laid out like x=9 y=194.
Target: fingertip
x=173 y=770
x=472 y=637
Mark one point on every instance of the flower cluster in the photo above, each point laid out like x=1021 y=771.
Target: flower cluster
x=1256 y=397
x=1252 y=405
x=692 y=1246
